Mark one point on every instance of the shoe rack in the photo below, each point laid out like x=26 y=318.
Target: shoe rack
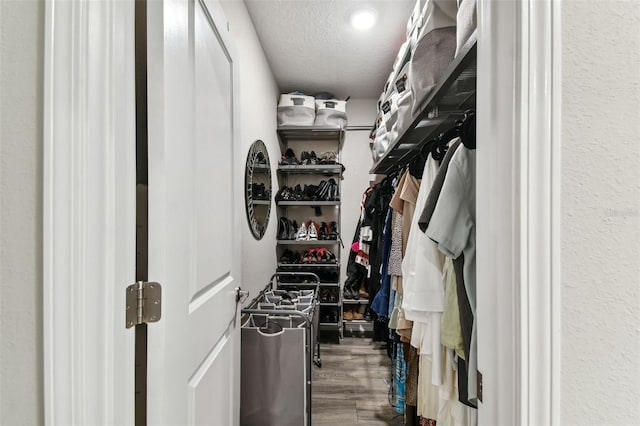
x=307 y=250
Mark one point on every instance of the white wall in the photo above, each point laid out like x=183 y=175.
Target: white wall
x=258 y=94
x=356 y=157
x=600 y=376
x=21 y=59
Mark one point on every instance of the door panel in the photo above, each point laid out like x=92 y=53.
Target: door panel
x=213 y=121
x=194 y=349
x=206 y=381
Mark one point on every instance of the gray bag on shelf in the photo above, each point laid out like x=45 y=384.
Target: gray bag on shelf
x=380 y=141
x=466 y=22
x=331 y=112
x=404 y=102
x=296 y=110
x=434 y=49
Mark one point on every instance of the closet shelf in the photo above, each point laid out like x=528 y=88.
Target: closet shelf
x=308 y=203
x=333 y=304
x=307 y=133
x=326 y=169
x=309 y=243
x=355 y=302
x=261 y=169
x=452 y=96
x=261 y=202
x=308 y=265
x=358 y=326
x=307 y=283
x=330 y=326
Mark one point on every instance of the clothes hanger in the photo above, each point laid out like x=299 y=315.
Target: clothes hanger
x=468 y=130
x=416 y=165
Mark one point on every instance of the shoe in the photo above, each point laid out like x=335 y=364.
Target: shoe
x=289 y=158
x=363 y=293
x=323 y=190
x=357 y=315
x=323 y=233
x=333 y=233
x=347 y=315
x=348 y=294
x=333 y=194
x=304 y=158
x=261 y=158
x=312 y=232
x=312 y=158
x=283 y=228
x=301 y=235
x=288 y=257
x=309 y=256
x=293 y=229
x=328 y=157
x=310 y=192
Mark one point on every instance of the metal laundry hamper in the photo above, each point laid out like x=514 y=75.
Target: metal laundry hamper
x=279 y=342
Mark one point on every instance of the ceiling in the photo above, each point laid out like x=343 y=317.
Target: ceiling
x=312 y=47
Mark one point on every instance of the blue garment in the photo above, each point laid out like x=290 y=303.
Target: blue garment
x=401 y=378
x=380 y=304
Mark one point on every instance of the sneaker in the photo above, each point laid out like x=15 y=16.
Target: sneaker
x=312 y=232
x=301 y=235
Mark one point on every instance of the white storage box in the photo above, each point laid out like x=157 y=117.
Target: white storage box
x=296 y=110
x=331 y=112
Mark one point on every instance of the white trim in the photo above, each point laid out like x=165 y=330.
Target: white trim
x=540 y=130
x=89 y=211
x=518 y=211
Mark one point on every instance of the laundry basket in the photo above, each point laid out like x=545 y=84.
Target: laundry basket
x=279 y=340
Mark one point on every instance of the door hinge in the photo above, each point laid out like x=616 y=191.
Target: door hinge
x=144 y=303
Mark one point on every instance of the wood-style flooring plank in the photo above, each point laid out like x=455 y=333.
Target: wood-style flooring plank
x=351 y=387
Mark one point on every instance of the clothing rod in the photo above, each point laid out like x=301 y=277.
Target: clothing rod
x=358 y=128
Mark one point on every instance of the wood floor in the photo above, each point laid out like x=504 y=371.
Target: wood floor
x=351 y=387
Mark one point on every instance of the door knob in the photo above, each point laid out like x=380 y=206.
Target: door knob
x=241 y=295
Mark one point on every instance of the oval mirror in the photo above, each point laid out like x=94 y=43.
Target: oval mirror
x=257 y=189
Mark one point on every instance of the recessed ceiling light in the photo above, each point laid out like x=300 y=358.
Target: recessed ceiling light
x=363 y=19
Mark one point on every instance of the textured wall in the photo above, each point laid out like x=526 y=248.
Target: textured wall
x=258 y=96
x=600 y=212
x=21 y=59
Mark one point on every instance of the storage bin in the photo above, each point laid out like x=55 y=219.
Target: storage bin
x=414 y=18
x=466 y=22
x=277 y=347
x=380 y=141
x=331 y=112
x=404 y=102
x=296 y=110
x=434 y=49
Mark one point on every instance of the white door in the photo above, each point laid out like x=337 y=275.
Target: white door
x=194 y=216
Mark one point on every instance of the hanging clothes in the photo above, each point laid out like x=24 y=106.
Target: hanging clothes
x=452 y=226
